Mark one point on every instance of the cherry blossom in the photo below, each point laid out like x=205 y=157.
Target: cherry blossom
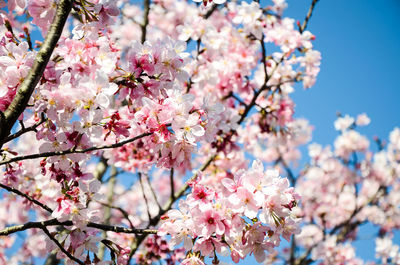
x=127 y=133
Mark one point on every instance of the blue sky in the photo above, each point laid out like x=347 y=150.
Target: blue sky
x=359 y=41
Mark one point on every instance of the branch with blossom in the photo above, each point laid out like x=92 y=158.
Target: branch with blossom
x=73 y=150
x=122 y=111
x=25 y=90
x=54 y=222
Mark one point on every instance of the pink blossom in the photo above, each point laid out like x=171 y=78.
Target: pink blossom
x=42 y=12
x=209 y=222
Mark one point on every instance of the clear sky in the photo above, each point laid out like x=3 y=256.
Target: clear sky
x=359 y=41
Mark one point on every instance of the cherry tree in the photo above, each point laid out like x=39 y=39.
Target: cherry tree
x=164 y=132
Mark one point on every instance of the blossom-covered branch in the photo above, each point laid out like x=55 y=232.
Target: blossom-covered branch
x=26 y=196
x=73 y=150
x=44 y=228
x=25 y=90
x=25 y=130
x=55 y=222
x=182 y=95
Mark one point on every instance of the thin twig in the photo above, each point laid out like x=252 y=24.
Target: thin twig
x=172 y=183
x=122 y=211
x=76 y=151
x=308 y=16
x=144 y=196
x=29 y=198
x=211 y=11
x=52 y=259
x=29 y=225
x=25 y=130
x=263 y=59
x=288 y=170
x=292 y=259
x=53 y=222
x=232 y=95
x=69 y=255
x=152 y=191
x=119 y=229
x=107 y=210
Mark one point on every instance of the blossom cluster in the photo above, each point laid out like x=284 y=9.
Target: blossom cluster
x=245 y=214
x=347 y=186
x=105 y=86
x=15 y=62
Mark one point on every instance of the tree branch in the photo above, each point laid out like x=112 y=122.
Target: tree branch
x=119 y=229
x=69 y=255
x=144 y=196
x=122 y=211
x=101 y=169
x=152 y=191
x=72 y=151
x=292 y=259
x=289 y=172
x=211 y=11
x=29 y=198
x=25 y=130
x=53 y=222
x=146 y=4
x=51 y=259
x=107 y=210
x=303 y=27
x=27 y=87
x=263 y=59
x=172 y=183
x=17 y=228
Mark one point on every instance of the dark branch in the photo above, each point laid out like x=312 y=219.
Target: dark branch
x=17 y=228
x=53 y=222
x=211 y=11
x=25 y=130
x=72 y=151
x=29 y=198
x=122 y=211
x=69 y=255
x=144 y=196
x=152 y=191
x=289 y=172
x=308 y=16
x=146 y=4
x=263 y=59
x=27 y=87
x=119 y=229
x=107 y=212
x=172 y=183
